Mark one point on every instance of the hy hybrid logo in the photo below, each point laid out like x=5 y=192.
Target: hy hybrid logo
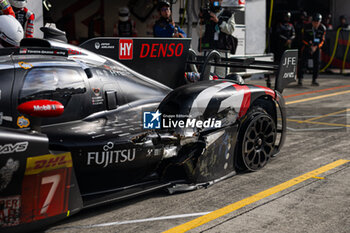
x=151 y=120
x=125 y=49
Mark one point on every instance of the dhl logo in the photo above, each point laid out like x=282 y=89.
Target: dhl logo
x=38 y=164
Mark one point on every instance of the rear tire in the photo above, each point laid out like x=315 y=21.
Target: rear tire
x=256 y=140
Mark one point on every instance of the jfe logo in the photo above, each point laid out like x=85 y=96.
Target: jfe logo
x=125 y=49
x=151 y=120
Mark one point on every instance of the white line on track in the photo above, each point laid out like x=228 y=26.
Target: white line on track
x=132 y=221
x=313 y=129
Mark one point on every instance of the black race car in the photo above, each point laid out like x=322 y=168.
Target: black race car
x=80 y=129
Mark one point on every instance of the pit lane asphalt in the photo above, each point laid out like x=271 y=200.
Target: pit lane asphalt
x=318 y=204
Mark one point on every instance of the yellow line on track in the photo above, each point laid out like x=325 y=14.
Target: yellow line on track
x=318 y=97
x=319 y=123
x=257 y=197
x=317 y=177
x=329 y=114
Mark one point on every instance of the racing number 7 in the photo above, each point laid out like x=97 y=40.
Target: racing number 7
x=55 y=180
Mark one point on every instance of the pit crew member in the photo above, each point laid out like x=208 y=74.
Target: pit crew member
x=24 y=16
x=313 y=40
x=165 y=26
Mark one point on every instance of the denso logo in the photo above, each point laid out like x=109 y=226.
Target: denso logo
x=44 y=107
x=125 y=49
x=161 y=50
x=9 y=148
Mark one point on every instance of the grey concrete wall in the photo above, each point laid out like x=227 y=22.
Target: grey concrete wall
x=255 y=18
x=340 y=7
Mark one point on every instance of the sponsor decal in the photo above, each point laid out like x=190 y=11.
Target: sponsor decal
x=10 y=210
x=23 y=122
x=45 y=186
x=97 y=45
x=73 y=52
x=25 y=65
x=6 y=172
x=39 y=164
x=42 y=108
x=96 y=91
x=98 y=100
x=241 y=2
x=161 y=50
x=151 y=120
x=109 y=156
x=107 y=45
x=289 y=75
x=290 y=61
x=155 y=120
x=154 y=153
x=43 y=52
x=12 y=148
x=103 y=45
x=125 y=49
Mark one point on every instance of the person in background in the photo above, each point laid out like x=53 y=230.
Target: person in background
x=125 y=26
x=219 y=25
x=299 y=25
x=24 y=16
x=308 y=19
x=343 y=22
x=313 y=40
x=11 y=31
x=286 y=34
x=327 y=22
x=6 y=8
x=165 y=25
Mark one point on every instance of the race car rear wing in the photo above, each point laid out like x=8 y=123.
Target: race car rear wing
x=285 y=71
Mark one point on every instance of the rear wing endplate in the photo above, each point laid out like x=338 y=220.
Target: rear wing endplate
x=285 y=71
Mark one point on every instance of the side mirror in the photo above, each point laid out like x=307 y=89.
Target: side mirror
x=41 y=108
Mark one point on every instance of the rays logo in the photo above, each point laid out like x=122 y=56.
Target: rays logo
x=151 y=120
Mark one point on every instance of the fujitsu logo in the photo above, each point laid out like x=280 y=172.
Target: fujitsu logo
x=106 y=158
x=125 y=49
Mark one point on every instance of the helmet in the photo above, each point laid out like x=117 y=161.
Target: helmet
x=286 y=16
x=11 y=31
x=162 y=4
x=317 y=17
x=18 y=3
x=124 y=14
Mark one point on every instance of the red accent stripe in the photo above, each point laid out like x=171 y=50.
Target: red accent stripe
x=246 y=99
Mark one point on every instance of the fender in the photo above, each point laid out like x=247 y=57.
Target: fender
x=221 y=100
x=225 y=101
x=30 y=178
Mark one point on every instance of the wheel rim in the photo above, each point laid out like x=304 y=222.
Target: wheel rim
x=259 y=142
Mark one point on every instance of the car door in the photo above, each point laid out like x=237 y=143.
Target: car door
x=6 y=84
x=64 y=83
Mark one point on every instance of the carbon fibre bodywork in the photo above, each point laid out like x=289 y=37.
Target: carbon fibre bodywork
x=99 y=149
